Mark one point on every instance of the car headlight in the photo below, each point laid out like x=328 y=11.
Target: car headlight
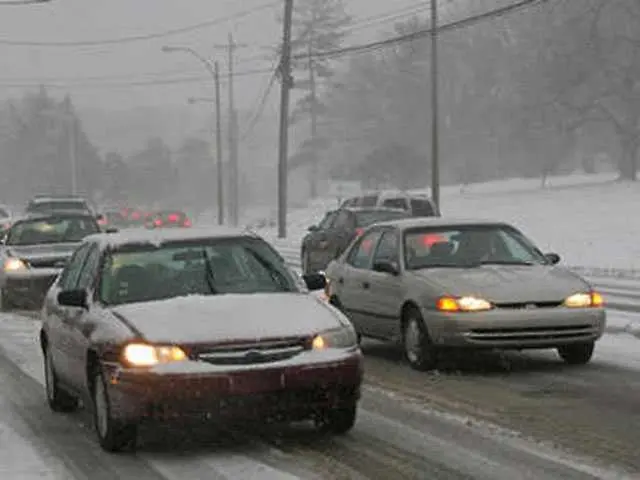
x=143 y=355
x=584 y=300
x=463 y=304
x=14 y=265
x=344 y=337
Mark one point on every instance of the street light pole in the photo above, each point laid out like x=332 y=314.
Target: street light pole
x=214 y=70
x=435 y=114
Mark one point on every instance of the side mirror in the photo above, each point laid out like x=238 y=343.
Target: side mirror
x=73 y=298
x=552 y=258
x=386 y=267
x=313 y=228
x=315 y=281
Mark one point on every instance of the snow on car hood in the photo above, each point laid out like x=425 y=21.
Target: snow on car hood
x=214 y=318
x=506 y=283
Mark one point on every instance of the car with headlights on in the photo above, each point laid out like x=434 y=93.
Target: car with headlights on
x=433 y=284
x=33 y=252
x=156 y=325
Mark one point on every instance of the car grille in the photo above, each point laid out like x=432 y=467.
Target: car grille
x=253 y=353
x=528 y=305
x=542 y=333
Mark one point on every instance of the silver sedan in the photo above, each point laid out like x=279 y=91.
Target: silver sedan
x=433 y=283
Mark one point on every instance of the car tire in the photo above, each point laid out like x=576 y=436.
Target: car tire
x=419 y=351
x=577 y=353
x=113 y=435
x=58 y=400
x=339 y=420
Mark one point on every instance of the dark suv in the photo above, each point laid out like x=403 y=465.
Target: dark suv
x=338 y=228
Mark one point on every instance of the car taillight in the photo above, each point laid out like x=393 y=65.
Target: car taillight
x=157 y=222
x=187 y=223
x=173 y=218
x=359 y=231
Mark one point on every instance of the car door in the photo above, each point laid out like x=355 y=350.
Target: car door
x=316 y=243
x=79 y=323
x=342 y=233
x=327 y=246
x=387 y=294
x=55 y=314
x=354 y=283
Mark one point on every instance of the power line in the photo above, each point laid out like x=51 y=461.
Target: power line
x=142 y=37
x=261 y=104
x=166 y=81
x=419 y=34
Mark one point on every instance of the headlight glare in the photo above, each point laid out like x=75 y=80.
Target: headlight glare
x=344 y=337
x=584 y=300
x=463 y=304
x=14 y=265
x=143 y=355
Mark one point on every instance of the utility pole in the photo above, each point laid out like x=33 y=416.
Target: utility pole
x=435 y=114
x=313 y=180
x=73 y=155
x=220 y=173
x=283 y=144
x=233 y=147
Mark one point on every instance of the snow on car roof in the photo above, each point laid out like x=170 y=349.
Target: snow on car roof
x=161 y=236
x=418 y=222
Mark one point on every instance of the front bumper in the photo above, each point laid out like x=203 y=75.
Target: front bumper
x=27 y=290
x=288 y=390
x=516 y=329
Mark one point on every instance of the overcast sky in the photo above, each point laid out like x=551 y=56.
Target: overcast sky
x=97 y=71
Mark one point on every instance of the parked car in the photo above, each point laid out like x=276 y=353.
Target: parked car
x=434 y=283
x=418 y=205
x=34 y=251
x=338 y=228
x=190 y=323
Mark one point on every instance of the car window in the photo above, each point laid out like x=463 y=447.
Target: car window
x=422 y=208
x=369 y=201
x=90 y=268
x=50 y=206
x=54 y=229
x=141 y=273
x=344 y=221
x=369 y=217
x=387 y=250
x=71 y=273
x=327 y=221
x=362 y=253
x=395 y=203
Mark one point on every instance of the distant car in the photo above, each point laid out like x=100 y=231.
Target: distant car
x=137 y=218
x=168 y=219
x=418 y=205
x=5 y=220
x=334 y=233
x=33 y=253
x=432 y=284
x=45 y=205
x=151 y=325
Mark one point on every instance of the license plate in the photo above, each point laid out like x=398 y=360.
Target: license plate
x=254 y=382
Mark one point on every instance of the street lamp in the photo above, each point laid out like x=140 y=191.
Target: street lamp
x=213 y=69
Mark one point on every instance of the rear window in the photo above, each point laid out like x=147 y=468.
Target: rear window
x=364 y=219
x=45 y=207
x=422 y=208
x=369 y=201
x=395 y=203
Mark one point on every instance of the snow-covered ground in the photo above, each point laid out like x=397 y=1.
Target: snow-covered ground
x=588 y=219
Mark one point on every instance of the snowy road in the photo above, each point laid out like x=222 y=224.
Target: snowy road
x=398 y=435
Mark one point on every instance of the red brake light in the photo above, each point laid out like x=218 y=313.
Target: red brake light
x=359 y=231
x=157 y=222
x=173 y=217
x=187 y=223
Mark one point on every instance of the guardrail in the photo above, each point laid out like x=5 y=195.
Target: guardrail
x=621 y=293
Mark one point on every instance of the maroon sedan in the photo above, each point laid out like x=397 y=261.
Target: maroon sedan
x=208 y=324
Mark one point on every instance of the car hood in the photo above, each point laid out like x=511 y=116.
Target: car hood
x=44 y=252
x=230 y=317
x=506 y=283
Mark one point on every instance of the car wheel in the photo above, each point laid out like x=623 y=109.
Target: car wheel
x=113 y=435
x=58 y=399
x=339 y=420
x=577 y=354
x=418 y=349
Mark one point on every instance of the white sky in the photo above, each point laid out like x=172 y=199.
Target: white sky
x=90 y=20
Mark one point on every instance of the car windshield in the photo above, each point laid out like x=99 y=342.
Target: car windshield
x=369 y=217
x=57 y=229
x=45 y=207
x=143 y=273
x=469 y=247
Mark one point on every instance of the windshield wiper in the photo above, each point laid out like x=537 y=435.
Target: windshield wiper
x=209 y=276
x=505 y=262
